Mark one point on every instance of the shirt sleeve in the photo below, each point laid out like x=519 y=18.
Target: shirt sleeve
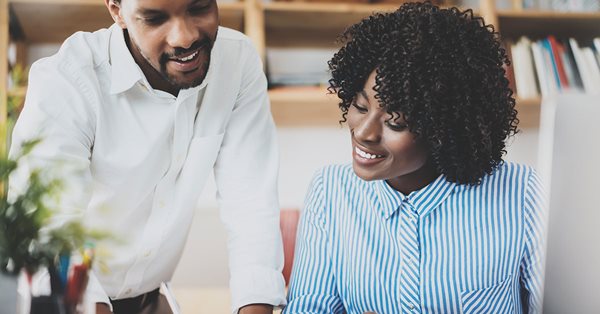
x=312 y=287
x=532 y=266
x=59 y=113
x=246 y=173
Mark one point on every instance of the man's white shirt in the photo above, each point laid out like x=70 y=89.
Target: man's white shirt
x=134 y=160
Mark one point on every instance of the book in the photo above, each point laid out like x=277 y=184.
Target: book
x=557 y=51
x=550 y=65
x=570 y=67
x=582 y=66
x=596 y=42
x=541 y=68
x=525 y=77
x=594 y=69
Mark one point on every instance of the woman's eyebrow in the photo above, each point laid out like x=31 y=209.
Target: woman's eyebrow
x=364 y=95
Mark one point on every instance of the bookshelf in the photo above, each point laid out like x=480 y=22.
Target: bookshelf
x=52 y=21
x=281 y=24
x=303 y=24
x=4 y=40
x=304 y=106
x=538 y=24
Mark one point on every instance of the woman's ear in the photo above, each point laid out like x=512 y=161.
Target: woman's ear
x=114 y=8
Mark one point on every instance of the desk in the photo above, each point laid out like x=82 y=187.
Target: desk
x=204 y=300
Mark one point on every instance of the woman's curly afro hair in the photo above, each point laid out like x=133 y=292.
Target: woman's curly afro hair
x=442 y=69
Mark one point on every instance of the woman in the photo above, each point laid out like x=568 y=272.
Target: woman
x=428 y=218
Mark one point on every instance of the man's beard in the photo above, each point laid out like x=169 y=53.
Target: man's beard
x=204 y=48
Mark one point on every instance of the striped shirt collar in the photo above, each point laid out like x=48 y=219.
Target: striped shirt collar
x=423 y=201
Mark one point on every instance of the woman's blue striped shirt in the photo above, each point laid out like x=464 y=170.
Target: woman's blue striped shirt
x=446 y=248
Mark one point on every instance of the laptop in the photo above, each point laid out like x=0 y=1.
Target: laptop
x=569 y=164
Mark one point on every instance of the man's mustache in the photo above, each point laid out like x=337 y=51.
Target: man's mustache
x=205 y=43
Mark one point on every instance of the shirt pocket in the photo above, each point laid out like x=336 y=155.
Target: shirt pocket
x=201 y=157
x=495 y=299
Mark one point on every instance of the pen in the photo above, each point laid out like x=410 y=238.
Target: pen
x=76 y=285
x=63 y=268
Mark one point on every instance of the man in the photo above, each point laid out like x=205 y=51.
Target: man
x=141 y=112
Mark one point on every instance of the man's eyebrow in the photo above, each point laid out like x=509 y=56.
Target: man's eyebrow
x=147 y=12
x=194 y=2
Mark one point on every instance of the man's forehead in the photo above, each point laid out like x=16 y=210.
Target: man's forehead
x=162 y=4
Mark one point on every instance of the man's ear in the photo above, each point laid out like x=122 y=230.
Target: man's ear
x=114 y=8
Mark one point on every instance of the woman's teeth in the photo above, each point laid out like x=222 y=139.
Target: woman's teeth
x=364 y=154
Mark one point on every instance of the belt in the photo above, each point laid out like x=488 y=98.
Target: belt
x=135 y=304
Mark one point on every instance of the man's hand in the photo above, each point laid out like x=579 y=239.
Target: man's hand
x=102 y=308
x=257 y=309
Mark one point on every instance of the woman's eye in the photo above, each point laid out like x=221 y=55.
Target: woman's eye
x=358 y=107
x=396 y=126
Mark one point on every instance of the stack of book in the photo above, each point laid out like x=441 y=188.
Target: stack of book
x=298 y=66
x=549 y=66
x=562 y=5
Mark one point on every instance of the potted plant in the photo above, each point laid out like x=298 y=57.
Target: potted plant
x=23 y=248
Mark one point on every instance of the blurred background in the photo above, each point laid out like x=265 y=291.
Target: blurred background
x=554 y=45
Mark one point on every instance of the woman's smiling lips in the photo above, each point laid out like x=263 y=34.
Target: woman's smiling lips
x=366 y=158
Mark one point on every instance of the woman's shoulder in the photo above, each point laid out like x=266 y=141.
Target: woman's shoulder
x=513 y=170
x=337 y=174
x=338 y=178
x=510 y=173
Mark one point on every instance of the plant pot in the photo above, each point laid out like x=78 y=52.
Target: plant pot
x=8 y=293
x=47 y=304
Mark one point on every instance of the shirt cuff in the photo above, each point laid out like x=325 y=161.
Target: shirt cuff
x=255 y=285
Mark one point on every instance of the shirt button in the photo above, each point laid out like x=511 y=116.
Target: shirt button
x=128 y=292
x=161 y=204
x=411 y=306
x=147 y=253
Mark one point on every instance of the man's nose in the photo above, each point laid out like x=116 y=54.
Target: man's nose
x=182 y=34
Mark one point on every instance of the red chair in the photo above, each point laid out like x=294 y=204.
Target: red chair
x=289 y=226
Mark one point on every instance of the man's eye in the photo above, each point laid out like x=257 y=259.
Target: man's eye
x=358 y=107
x=199 y=9
x=153 y=21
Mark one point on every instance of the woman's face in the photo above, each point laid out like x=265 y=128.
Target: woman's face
x=382 y=146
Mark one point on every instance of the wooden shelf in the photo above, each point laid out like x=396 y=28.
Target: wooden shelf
x=304 y=106
x=359 y=9
x=17 y=92
x=538 y=24
x=296 y=24
x=528 y=102
x=231 y=15
x=528 y=112
x=313 y=24
x=55 y=20
x=313 y=106
x=555 y=15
